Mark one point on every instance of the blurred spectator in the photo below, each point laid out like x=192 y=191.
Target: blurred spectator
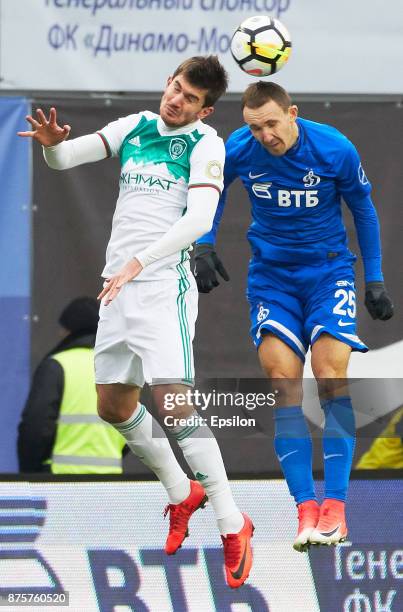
x=60 y=430
x=386 y=450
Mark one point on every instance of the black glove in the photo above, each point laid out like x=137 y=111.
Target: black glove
x=207 y=264
x=377 y=301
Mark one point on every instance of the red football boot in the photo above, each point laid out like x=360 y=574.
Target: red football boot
x=179 y=516
x=331 y=528
x=308 y=517
x=238 y=554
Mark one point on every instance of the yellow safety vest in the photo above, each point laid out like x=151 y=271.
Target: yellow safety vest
x=386 y=451
x=85 y=444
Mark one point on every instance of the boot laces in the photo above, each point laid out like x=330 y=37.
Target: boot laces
x=232 y=549
x=178 y=516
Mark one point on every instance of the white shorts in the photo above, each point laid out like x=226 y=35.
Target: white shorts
x=145 y=334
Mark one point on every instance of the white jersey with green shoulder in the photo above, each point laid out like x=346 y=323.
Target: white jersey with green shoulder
x=158 y=164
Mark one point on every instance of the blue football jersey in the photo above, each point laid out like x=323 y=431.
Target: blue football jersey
x=296 y=198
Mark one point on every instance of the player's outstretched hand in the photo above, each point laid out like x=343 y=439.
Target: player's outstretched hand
x=46 y=131
x=113 y=285
x=207 y=263
x=377 y=301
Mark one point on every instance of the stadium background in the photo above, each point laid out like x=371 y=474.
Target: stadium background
x=54 y=228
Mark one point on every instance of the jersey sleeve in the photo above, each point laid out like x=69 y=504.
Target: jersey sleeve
x=351 y=179
x=368 y=233
x=115 y=132
x=207 y=163
x=230 y=174
x=355 y=188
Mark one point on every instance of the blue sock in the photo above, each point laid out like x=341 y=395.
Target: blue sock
x=338 y=446
x=293 y=446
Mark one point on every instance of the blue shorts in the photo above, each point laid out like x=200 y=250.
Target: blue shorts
x=298 y=303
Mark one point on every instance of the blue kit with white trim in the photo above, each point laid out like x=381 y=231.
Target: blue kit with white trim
x=301 y=275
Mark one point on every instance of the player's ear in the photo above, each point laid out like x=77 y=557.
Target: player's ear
x=205 y=112
x=169 y=80
x=293 y=111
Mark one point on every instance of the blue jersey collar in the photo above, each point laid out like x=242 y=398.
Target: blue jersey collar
x=299 y=142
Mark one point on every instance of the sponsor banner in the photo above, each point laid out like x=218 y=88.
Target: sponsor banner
x=101 y=545
x=133 y=45
x=366 y=572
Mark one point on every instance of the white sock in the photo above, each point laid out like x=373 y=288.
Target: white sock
x=140 y=432
x=231 y=524
x=204 y=459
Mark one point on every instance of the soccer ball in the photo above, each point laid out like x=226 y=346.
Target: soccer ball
x=261 y=45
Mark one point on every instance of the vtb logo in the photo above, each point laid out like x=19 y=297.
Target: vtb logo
x=298 y=198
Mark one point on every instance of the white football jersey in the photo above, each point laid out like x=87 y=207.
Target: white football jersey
x=158 y=164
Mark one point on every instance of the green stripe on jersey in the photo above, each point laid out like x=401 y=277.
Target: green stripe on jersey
x=145 y=145
x=184 y=286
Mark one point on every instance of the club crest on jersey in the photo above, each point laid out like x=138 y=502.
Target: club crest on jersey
x=177 y=147
x=262 y=314
x=311 y=179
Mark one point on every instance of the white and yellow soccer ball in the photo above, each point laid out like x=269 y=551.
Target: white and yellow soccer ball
x=261 y=45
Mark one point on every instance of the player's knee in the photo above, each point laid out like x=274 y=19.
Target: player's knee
x=105 y=410
x=108 y=409
x=278 y=360
x=117 y=402
x=172 y=400
x=324 y=371
x=280 y=371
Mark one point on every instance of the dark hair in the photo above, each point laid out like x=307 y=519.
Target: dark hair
x=261 y=92
x=80 y=316
x=205 y=72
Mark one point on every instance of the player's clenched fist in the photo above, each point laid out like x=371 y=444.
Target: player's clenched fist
x=377 y=301
x=207 y=264
x=46 y=131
